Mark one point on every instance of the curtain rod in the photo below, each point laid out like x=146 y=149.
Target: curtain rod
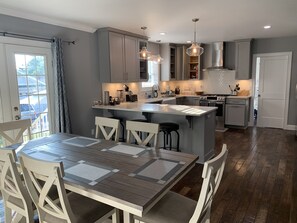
x=8 y=34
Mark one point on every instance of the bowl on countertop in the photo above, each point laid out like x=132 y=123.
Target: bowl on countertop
x=198 y=92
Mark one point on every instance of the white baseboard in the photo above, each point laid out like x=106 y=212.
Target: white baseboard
x=290 y=127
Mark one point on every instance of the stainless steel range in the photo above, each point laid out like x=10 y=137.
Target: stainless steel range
x=219 y=101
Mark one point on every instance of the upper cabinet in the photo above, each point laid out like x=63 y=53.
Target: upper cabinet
x=118 y=57
x=177 y=65
x=243 y=59
x=193 y=67
x=168 y=67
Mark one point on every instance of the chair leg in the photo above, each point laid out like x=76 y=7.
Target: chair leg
x=116 y=216
x=170 y=142
x=123 y=132
x=177 y=147
x=164 y=138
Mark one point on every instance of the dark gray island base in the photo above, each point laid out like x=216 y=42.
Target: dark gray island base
x=196 y=124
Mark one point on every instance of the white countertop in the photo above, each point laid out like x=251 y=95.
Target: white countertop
x=139 y=106
x=239 y=97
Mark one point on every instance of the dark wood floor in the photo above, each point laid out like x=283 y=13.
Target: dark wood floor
x=260 y=178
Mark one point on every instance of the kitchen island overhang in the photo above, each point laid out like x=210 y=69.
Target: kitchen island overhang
x=197 y=124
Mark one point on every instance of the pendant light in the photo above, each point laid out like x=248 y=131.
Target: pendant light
x=195 y=49
x=144 y=54
x=157 y=59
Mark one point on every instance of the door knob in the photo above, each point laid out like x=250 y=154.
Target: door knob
x=17 y=117
x=15 y=108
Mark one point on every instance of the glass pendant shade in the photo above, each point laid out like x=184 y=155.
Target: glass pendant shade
x=157 y=59
x=195 y=49
x=144 y=54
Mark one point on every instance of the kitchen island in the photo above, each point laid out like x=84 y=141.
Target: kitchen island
x=196 y=124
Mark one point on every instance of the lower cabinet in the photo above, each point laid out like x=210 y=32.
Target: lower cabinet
x=237 y=112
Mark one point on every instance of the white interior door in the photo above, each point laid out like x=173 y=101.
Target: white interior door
x=274 y=73
x=26 y=85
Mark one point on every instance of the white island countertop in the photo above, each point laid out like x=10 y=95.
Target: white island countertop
x=183 y=110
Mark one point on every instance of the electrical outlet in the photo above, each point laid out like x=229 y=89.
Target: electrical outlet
x=92 y=132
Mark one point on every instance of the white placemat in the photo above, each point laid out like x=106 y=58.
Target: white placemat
x=44 y=155
x=88 y=172
x=158 y=169
x=130 y=150
x=81 y=141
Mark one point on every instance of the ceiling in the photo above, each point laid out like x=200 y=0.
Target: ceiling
x=220 y=20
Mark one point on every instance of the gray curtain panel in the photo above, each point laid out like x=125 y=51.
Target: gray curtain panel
x=62 y=120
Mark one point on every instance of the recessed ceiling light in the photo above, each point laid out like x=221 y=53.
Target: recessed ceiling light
x=163 y=34
x=189 y=41
x=267 y=27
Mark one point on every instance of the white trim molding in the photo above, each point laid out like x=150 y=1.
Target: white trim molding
x=289 y=54
x=44 y=19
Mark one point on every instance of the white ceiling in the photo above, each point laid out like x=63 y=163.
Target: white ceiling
x=220 y=20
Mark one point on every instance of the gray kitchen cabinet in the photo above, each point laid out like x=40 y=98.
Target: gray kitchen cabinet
x=168 y=67
x=243 y=59
x=118 y=57
x=237 y=112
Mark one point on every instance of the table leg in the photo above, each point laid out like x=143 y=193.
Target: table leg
x=128 y=218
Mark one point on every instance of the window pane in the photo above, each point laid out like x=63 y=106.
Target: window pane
x=33 y=97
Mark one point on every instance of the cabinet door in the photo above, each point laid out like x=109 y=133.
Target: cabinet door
x=235 y=115
x=117 y=60
x=172 y=63
x=242 y=60
x=168 y=67
x=131 y=59
x=143 y=64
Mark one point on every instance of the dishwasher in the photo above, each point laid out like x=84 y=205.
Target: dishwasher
x=236 y=113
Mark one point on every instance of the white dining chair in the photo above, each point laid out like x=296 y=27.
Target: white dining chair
x=109 y=128
x=18 y=127
x=175 y=208
x=15 y=195
x=134 y=129
x=70 y=207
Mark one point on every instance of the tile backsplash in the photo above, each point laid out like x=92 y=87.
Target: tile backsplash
x=214 y=82
x=218 y=81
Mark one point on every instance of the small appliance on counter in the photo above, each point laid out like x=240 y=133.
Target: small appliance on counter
x=177 y=90
x=120 y=95
x=131 y=98
x=155 y=90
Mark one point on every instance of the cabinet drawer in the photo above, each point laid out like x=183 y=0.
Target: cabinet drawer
x=235 y=101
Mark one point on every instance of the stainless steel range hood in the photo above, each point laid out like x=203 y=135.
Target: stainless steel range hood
x=213 y=56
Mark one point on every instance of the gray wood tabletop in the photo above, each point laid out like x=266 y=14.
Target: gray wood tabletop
x=128 y=177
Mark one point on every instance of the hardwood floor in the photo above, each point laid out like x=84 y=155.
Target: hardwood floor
x=260 y=178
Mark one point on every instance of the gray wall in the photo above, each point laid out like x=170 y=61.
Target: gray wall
x=82 y=71
x=81 y=67
x=284 y=44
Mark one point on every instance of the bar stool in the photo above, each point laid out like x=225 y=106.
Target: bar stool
x=167 y=128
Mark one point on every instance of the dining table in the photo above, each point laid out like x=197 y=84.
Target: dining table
x=129 y=177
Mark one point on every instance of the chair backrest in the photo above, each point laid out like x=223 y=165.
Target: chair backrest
x=136 y=128
x=19 y=127
x=14 y=192
x=109 y=127
x=212 y=175
x=42 y=177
